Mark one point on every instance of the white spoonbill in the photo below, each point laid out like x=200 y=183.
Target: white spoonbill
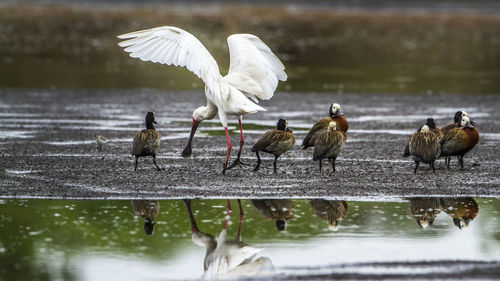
x=254 y=72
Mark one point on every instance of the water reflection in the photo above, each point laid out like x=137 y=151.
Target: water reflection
x=279 y=210
x=101 y=240
x=462 y=210
x=148 y=210
x=331 y=211
x=425 y=210
x=228 y=259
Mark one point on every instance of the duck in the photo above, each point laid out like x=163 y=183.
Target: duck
x=329 y=144
x=228 y=259
x=148 y=210
x=432 y=127
x=279 y=210
x=254 y=73
x=424 y=147
x=462 y=210
x=147 y=141
x=458 y=141
x=336 y=115
x=425 y=210
x=100 y=140
x=275 y=142
x=331 y=211
x=456 y=121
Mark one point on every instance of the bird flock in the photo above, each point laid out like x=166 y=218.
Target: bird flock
x=253 y=75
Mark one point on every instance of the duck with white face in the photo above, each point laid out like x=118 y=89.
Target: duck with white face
x=275 y=142
x=147 y=141
x=335 y=115
x=458 y=141
x=424 y=147
x=329 y=144
x=462 y=210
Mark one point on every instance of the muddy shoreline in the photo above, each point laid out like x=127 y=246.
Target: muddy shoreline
x=48 y=150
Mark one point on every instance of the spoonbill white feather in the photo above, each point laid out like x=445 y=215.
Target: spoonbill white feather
x=254 y=73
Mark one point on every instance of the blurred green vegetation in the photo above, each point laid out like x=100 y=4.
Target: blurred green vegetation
x=37 y=233
x=65 y=46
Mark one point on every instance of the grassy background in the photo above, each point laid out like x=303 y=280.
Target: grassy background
x=324 y=49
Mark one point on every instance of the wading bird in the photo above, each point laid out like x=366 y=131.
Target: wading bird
x=276 y=142
x=459 y=138
x=424 y=147
x=147 y=141
x=254 y=72
x=322 y=125
x=100 y=140
x=329 y=144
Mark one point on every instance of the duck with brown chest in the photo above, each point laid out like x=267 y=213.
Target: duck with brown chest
x=147 y=141
x=329 y=144
x=322 y=125
x=276 y=142
x=459 y=141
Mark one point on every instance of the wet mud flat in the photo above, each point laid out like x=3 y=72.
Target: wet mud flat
x=47 y=147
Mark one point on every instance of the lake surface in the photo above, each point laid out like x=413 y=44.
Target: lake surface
x=364 y=47
x=105 y=240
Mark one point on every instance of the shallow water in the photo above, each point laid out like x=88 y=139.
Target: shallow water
x=106 y=240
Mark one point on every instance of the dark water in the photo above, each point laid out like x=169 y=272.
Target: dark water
x=331 y=49
x=107 y=240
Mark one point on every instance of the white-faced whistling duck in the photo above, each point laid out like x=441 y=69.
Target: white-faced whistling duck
x=425 y=210
x=462 y=210
x=424 y=147
x=329 y=144
x=279 y=210
x=100 y=140
x=148 y=210
x=456 y=121
x=322 y=125
x=276 y=142
x=330 y=211
x=458 y=141
x=432 y=127
x=147 y=141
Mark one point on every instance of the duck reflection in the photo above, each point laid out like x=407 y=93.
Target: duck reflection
x=148 y=210
x=462 y=210
x=279 y=210
x=331 y=211
x=226 y=259
x=424 y=210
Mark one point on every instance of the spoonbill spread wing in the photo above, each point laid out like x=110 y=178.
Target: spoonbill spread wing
x=173 y=46
x=254 y=73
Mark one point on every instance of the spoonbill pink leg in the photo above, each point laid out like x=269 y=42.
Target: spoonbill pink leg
x=242 y=141
x=229 y=147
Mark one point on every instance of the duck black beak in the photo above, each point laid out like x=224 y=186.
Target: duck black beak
x=187 y=149
x=288 y=130
x=473 y=123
